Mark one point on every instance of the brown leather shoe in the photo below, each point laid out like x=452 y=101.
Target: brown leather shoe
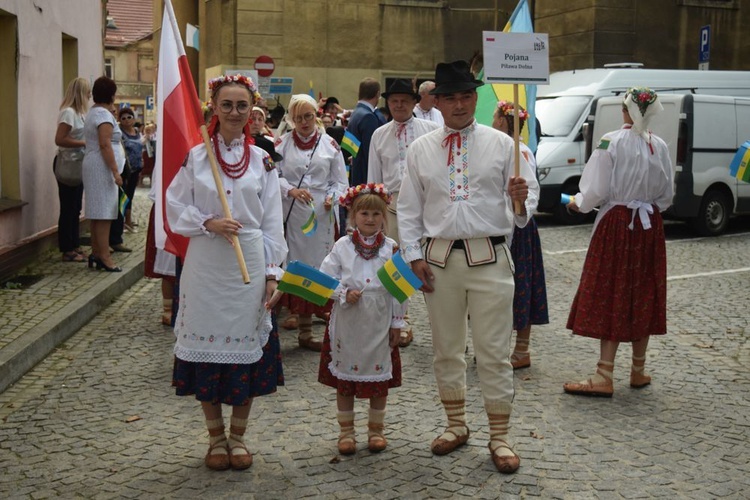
x=639 y=380
x=520 y=361
x=406 y=337
x=505 y=464
x=217 y=461
x=376 y=441
x=588 y=388
x=441 y=446
x=291 y=323
x=311 y=344
x=240 y=461
x=347 y=445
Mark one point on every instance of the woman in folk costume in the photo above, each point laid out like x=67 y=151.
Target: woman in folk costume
x=226 y=350
x=530 y=295
x=360 y=356
x=312 y=177
x=622 y=296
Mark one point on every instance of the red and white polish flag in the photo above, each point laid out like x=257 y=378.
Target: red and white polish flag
x=179 y=119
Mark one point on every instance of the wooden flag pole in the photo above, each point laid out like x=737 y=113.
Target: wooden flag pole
x=517 y=155
x=224 y=203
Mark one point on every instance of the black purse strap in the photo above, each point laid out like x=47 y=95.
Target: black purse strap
x=286 y=219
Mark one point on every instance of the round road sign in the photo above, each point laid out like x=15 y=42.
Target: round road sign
x=264 y=65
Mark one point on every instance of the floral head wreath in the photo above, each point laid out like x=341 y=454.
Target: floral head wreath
x=506 y=109
x=206 y=106
x=643 y=97
x=215 y=84
x=347 y=200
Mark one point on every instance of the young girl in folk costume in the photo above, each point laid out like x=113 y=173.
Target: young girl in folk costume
x=530 y=296
x=226 y=350
x=360 y=356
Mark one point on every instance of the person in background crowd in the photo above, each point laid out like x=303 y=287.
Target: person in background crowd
x=133 y=144
x=330 y=107
x=362 y=124
x=69 y=139
x=388 y=147
x=149 y=151
x=312 y=178
x=622 y=296
x=102 y=166
x=227 y=350
x=426 y=109
x=464 y=209
x=530 y=296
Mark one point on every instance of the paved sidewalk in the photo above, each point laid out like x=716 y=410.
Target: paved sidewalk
x=34 y=321
x=97 y=418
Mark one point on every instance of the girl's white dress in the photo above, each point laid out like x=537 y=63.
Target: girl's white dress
x=359 y=332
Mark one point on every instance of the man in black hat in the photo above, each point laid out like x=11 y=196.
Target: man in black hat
x=458 y=194
x=388 y=146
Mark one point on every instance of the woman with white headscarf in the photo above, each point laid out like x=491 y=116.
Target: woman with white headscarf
x=312 y=177
x=622 y=296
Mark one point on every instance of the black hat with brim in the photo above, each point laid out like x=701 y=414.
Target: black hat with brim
x=401 y=86
x=454 y=77
x=267 y=146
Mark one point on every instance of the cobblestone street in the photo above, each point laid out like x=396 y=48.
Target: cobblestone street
x=97 y=418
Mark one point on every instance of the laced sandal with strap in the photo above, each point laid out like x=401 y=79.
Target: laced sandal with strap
x=638 y=377
x=376 y=441
x=520 y=360
x=347 y=445
x=443 y=446
x=217 y=457
x=601 y=387
x=506 y=464
x=240 y=457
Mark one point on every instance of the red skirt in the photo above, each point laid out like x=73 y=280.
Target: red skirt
x=622 y=295
x=357 y=389
x=298 y=305
x=150 y=258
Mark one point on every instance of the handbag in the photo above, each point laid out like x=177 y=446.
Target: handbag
x=68 y=167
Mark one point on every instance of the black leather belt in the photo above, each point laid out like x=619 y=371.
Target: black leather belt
x=459 y=244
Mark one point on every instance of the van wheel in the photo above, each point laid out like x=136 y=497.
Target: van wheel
x=562 y=215
x=714 y=213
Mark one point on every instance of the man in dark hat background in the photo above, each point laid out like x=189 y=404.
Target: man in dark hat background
x=457 y=194
x=388 y=147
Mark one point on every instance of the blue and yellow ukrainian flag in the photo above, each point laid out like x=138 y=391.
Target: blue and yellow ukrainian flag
x=309 y=227
x=489 y=95
x=308 y=283
x=123 y=202
x=740 y=166
x=398 y=278
x=350 y=143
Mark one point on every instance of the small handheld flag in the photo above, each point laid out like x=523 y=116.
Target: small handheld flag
x=308 y=283
x=740 y=166
x=398 y=278
x=123 y=202
x=309 y=227
x=350 y=143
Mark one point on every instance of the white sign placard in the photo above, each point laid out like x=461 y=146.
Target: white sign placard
x=516 y=57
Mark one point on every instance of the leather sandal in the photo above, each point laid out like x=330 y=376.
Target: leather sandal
x=376 y=442
x=520 y=360
x=505 y=464
x=347 y=445
x=217 y=461
x=639 y=380
x=240 y=461
x=310 y=344
x=588 y=388
x=442 y=446
x=406 y=337
x=291 y=323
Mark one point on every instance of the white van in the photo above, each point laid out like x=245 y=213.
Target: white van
x=703 y=133
x=564 y=104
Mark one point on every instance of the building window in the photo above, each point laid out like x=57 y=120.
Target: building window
x=109 y=67
x=10 y=186
x=718 y=4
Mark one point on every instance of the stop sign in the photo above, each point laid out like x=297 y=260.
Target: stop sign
x=264 y=65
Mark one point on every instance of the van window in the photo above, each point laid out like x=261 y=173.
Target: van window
x=558 y=115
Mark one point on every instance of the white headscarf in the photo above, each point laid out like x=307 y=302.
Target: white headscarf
x=295 y=101
x=643 y=105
